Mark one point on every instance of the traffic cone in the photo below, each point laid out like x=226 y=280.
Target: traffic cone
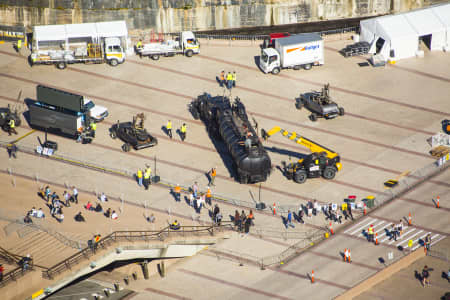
x=312 y=276
x=331 y=229
x=274 y=209
x=345 y=254
x=437 y=201
x=425 y=250
x=409 y=220
x=376 y=238
x=365 y=209
x=349 y=260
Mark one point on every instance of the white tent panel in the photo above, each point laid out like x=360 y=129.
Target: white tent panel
x=80 y=30
x=404 y=47
x=112 y=29
x=367 y=30
x=443 y=14
x=424 y=22
x=49 y=33
x=396 y=26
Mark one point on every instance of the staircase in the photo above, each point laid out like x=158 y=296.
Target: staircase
x=45 y=249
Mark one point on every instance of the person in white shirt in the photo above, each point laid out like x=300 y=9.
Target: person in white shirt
x=191 y=199
x=114 y=215
x=103 y=198
x=75 y=194
x=40 y=213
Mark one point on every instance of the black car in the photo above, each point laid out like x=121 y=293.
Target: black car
x=132 y=136
x=319 y=104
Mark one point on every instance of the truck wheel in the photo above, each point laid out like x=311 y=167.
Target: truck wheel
x=276 y=71
x=296 y=68
x=300 y=176
x=341 y=111
x=329 y=172
x=113 y=135
x=114 y=62
x=189 y=53
x=307 y=66
x=313 y=117
x=126 y=147
x=61 y=65
x=243 y=179
x=298 y=104
x=155 y=57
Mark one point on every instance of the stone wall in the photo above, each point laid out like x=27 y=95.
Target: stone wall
x=177 y=15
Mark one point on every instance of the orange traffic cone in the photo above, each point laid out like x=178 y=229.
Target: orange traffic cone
x=409 y=220
x=312 y=276
x=274 y=209
x=437 y=201
x=365 y=209
x=349 y=255
x=425 y=250
x=331 y=229
x=376 y=238
x=345 y=254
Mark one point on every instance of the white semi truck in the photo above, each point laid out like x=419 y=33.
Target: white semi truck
x=80 y=43
x=296 y=52
x=185 y=44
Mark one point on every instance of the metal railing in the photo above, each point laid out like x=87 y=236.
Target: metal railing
x=132 y=236
x=18 y=271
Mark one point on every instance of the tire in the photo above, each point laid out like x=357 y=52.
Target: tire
x=155 y=57
x=126 y=147
x=307 y=66
x=243 y=179
x=313 y=117
x=61 y=65
x=341 y=111
x=276 y=71
x=113 y=62
x=113 y=135
x=298 y=105
x=296 y=68
x=329 y=172
x=189 y=53
x=300 y=176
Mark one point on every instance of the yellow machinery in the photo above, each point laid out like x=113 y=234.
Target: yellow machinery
x=321 y=162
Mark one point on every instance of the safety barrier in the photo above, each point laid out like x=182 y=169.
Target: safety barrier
x=149 y=36
x=132 y=236
x=14 y=274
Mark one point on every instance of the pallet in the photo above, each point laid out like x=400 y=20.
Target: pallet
x=439 y=151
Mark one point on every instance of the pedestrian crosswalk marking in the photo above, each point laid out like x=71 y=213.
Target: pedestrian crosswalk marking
x=383 y=229
x=360 y=227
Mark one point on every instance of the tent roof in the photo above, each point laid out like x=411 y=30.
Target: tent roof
x=80 y=30
x=396 y=26
x=424 y=21
x=443 y=13
x=50 y=33
x=112 y=29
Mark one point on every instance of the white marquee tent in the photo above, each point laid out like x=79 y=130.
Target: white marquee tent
x=398 y=36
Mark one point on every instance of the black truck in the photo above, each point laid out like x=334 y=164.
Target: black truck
x=60 y=112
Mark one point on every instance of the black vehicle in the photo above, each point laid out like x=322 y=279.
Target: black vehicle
x=319 y=104
x=446 y=126
x=6 y=115
x=229 y=122
x=133 y=134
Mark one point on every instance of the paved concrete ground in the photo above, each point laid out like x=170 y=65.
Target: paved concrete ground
x=390 y=113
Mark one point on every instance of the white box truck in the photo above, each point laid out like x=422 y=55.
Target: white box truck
x=185 y=44
x=296 y=52
x=80 y=43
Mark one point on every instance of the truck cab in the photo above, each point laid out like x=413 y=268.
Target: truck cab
x=190 y=44
x=97 y=112
x=114 y=53
x=269 y=61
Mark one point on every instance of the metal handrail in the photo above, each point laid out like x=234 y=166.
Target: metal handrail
x=130 y=236
x=16 y=273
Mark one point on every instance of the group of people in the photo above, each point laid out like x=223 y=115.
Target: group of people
x=396 y=230
x=54 y=203
x=183 y=130
x=144 y=177
x=242 y=222
x=109 y=213
x=229 y=81
x=36 y=213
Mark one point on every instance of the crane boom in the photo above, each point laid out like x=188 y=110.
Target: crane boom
x=295 y=137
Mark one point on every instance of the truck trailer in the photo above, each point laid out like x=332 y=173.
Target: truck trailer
x=296 y=52
x=185 y=44
x=60 y=112
x=60 y=45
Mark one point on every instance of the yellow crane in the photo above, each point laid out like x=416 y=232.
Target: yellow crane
x=321 y=162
